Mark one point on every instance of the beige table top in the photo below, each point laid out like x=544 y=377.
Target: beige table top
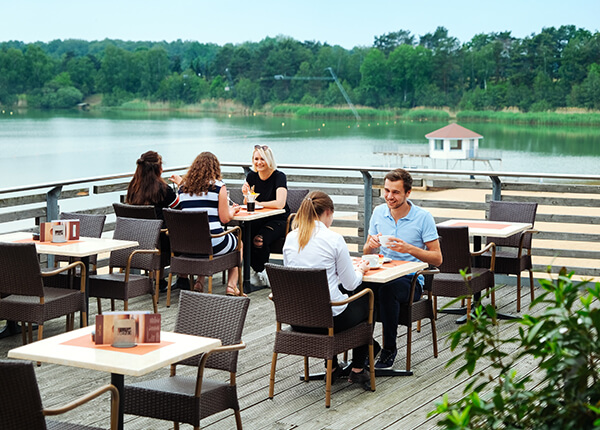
x=75 y=348
x=83 y=247
x=488 y=228
x=244 y=215
x=393 y=270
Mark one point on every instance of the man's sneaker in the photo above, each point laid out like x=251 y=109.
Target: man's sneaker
x=255 y=279
x=386 y=359
x=363 y=378
x=376 y=351
x=264 y=278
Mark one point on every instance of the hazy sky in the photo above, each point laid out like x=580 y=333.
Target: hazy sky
x=348 y=23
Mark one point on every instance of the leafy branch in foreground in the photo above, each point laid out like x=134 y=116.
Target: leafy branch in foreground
x=562 y=342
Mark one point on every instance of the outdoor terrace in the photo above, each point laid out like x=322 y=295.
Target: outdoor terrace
x=569 y=236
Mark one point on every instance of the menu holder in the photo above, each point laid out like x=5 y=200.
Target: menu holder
x=60 y=230
x=128 y=328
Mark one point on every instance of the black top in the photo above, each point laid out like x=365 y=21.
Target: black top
x=170 y=200
x=267 y=189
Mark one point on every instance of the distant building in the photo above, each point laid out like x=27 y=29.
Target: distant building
x=453 y=142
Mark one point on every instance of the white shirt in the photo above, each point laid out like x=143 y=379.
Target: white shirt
x=326 y=249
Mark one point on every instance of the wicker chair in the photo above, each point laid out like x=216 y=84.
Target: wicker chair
x=514 y=253
x=412 y=311
x=294 y=200
x=22 y=404
x=301 y=298
x=24 y=297
x=126 y=285
x=191 y=247
x=190 y=399
x=457 y=256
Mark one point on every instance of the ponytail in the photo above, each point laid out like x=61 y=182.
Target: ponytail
x=311 y=208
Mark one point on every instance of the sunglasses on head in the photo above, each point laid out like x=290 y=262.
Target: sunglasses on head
x=263 y=147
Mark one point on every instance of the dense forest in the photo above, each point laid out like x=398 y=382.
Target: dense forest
x=559 y=67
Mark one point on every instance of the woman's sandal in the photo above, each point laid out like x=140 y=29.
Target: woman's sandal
x=199 y=287
x=234 y=291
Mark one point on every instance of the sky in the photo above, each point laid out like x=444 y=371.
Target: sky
x=348 y=23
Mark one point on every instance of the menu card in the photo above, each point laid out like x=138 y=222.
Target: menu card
x=71 y=231
x=147 y=326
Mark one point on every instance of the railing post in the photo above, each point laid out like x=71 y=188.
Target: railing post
x=496 y=188
x=368 y=191
x=52 y=212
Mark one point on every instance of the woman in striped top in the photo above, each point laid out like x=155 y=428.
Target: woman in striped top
x=201 y=189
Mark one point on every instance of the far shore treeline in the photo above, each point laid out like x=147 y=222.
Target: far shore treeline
x=555 y=70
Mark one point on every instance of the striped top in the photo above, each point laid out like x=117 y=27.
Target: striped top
x=208 y=202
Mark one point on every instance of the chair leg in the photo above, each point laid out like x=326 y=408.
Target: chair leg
x=408 y=345
x=531 y=285
x=419 y=326
x=306 y=369
x=345 y=356
x=169 y=289
x=210 y=284
x=519 y=292
x=99 y=302
x=175 y=426
x=238 y=419
x=112 y=305
x=30 y=332
x=40 y=335
x=469 y=308
x=24 y=332
x=328 y=383
x=434 y=335
x=435 y=310
x=125 y=305
x=155 y=295
x=372 y=365
x=272 y=377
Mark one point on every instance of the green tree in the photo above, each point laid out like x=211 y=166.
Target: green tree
x=375 y=79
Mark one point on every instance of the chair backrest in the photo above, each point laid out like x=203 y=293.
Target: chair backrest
x=146 y=232
x=189 y=232
x=456 y=253
x=20 y=271
x=216 y=316
x=236 y=195
x=91 y=225
x=301 y=296
x=134 y=211
x=513 y=212
x=294 y=199
x=20 y=397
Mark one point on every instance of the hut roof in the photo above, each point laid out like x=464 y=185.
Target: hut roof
x=453 y=131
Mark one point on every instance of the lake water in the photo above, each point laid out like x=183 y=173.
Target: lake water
x=48 y=147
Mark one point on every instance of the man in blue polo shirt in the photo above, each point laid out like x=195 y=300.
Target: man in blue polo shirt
x=414 y=238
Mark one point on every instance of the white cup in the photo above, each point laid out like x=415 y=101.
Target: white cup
x=384 y=238
x=371 y=259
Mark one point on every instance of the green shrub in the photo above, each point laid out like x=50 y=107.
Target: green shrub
x=426 y=115
x=564 y=343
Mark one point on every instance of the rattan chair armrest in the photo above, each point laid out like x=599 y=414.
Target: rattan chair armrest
x=237 y=230
x=522 y=238
x=65 y=268
x=357 y=296
x=164 y=230
x=133 y=253
x=489 y=246
x=114 y=409
x=271 y=296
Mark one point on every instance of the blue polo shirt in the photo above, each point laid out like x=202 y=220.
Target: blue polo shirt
x=416 y=228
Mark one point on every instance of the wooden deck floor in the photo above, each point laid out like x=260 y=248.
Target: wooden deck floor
x=398 y=403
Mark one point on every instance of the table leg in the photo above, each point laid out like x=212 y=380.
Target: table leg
x=119 y=381
x=246 y=257
x=86 y=262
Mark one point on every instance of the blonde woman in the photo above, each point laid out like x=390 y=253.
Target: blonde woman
x=313 y=244
x=271 y=186
x=201 y=188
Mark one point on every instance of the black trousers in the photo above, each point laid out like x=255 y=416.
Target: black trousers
x=270 y=230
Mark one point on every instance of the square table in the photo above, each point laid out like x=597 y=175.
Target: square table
x=477 y=229
x=243 y=217
x=83 y=248
x=393 y=270
x=76 y=348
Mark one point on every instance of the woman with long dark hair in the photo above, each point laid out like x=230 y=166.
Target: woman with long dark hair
x=312 y=244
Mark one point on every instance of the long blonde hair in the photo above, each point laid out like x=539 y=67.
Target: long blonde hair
x=311 y=208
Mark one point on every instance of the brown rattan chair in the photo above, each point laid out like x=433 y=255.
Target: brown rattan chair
x=415 y=311
x=513 y=254
x=191 y=247
x=294 y=200
x=24 y=297
x=125 y=285
x=189 y=399
x=457 y=256
x=301 y=298
x=22 y=404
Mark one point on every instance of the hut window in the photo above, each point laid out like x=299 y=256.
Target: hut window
x=456 y=144
x=439 y=144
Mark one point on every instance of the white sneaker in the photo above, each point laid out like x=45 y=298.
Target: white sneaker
x=256 y=279
x=264 y=278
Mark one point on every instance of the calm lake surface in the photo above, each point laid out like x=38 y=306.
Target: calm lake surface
x=48 y=147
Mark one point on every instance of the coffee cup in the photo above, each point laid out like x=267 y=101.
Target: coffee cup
x=371 y=259
x=384 y=238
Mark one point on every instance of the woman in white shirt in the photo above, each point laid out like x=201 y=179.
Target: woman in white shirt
x=312 y=244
